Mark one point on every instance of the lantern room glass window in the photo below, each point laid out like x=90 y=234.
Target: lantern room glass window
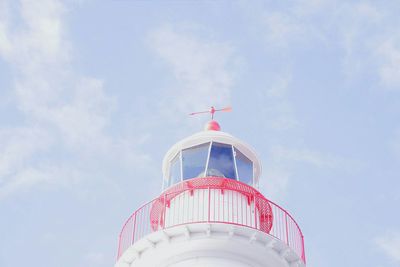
x=194 y=160
x=244 y=168
x=221 y=161
x=175 y=171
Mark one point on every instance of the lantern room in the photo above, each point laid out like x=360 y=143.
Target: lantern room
x=211 y=153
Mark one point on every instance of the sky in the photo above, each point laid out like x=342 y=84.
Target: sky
x=93 y=94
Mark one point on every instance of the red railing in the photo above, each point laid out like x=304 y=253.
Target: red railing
x=212 y=200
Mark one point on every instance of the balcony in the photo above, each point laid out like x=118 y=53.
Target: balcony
x=212 y=200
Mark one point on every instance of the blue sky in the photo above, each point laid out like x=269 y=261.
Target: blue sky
x=93 y=93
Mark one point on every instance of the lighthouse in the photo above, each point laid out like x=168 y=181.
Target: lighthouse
x=210 y=212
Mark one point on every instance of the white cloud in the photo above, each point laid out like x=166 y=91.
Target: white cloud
x=311 y=157
x=5 y=45
x=369 y=42
x=17 y=148
x=318 y=159
x=83 y=119
x=346 y=27
x=279 y=169
x=275 y=106
x=64 y=112
x=39 y=40
x=395 y=144
x=357 y=29
x=275 y=181
x=361 y=33
x=389 y=70
x=282 y=29
x=31 y=175
x=202 y=69
x=290 y=26
x=281 y=166
x=95 y=258
x=389 y=243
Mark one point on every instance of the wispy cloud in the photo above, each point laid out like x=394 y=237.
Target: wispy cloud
x=282 y=162
x=357 y=30
x=389 y=69
x=280 y=116
x=64 y=113
x=369 y=45
x=364 y=42
x=389 y=243
x=94 y=258
x=282 y=29
x=395 y=143
x=289 y=27
x=275 y=181
x=304 y=155
x=17 y=148
x=39 y=39
x=203 y=68
x=275 y=106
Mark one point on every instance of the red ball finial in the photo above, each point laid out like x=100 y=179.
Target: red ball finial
x=212 y=126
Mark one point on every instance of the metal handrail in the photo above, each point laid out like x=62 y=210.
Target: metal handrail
x=212 y=200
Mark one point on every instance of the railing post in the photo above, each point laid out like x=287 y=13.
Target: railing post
x=164 y=211
x=119 y=246
x=133 y=228
x=255 y=211
x=287 y=232
x=303 y=253
x=209 y=203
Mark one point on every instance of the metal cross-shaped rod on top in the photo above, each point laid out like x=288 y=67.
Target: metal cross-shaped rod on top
x=212 y=110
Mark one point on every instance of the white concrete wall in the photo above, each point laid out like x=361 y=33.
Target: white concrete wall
x=209 y=262
x=209 y=245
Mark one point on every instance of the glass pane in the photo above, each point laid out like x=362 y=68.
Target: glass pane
x=194 y=161
x=175 y=171
x=221 y=161
x=244 y=168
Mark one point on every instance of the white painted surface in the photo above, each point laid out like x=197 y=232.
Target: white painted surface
x=200 y=205
x=209 y=261
x=209 y=245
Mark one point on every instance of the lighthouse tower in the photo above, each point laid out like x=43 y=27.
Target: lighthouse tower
x=210 y=212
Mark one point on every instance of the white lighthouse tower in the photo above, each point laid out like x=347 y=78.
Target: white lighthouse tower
x=210 y=212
